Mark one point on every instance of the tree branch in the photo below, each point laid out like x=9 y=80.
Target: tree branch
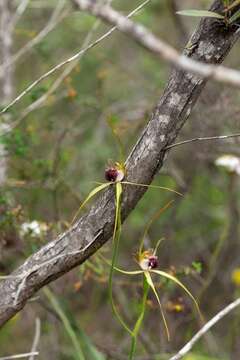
x=93 y=229
x=161 y=49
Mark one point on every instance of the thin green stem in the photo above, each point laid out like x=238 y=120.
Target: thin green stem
x=116 y=238
x=133 y=347
x=139 y=321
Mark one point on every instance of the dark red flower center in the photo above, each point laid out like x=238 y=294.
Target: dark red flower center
x=111 y=174
x=152 y=262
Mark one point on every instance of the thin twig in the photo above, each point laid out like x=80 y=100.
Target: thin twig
x=205 y=328
x=208 y=138
x=36 y=104
x=19 y=356
x=63 y=63
x=19 y=12
x=36 y=338
x=56 y=17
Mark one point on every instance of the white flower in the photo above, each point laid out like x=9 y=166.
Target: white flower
x=33 y=228
x=230 y=162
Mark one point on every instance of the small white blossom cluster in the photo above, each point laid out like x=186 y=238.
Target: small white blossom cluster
x=230 y=162
x=33 y=228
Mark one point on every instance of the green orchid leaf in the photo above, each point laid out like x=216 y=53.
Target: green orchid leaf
x=91 y=194
x=151 y=284
x=174 y=279
x=200 y=13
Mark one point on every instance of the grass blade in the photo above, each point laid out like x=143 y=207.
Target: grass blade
x=89 y=349
x=69 y=330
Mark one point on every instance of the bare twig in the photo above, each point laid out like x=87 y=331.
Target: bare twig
x=56 y=17
x=19 y=12
x=36 y=104
x=207 y=138
x=36 y=338
x=65 y=62
x=205 y=328
x=19 y=356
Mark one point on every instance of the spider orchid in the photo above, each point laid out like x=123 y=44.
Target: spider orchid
x=148 y=263
x=115 y=175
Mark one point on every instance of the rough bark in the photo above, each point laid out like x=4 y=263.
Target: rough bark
x=212 y=43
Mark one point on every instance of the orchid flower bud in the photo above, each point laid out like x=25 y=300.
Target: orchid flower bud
x=148 y=261
x=115 y=173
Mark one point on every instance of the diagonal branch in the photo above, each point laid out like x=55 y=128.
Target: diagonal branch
x=161 y=49
x=93 y=229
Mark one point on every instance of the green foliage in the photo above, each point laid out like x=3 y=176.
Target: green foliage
x=197 y=265
x=15 y=143
x=84 y=349
x=37 y=93
x=68 y=328
x=200 y=13
x=227 y=17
